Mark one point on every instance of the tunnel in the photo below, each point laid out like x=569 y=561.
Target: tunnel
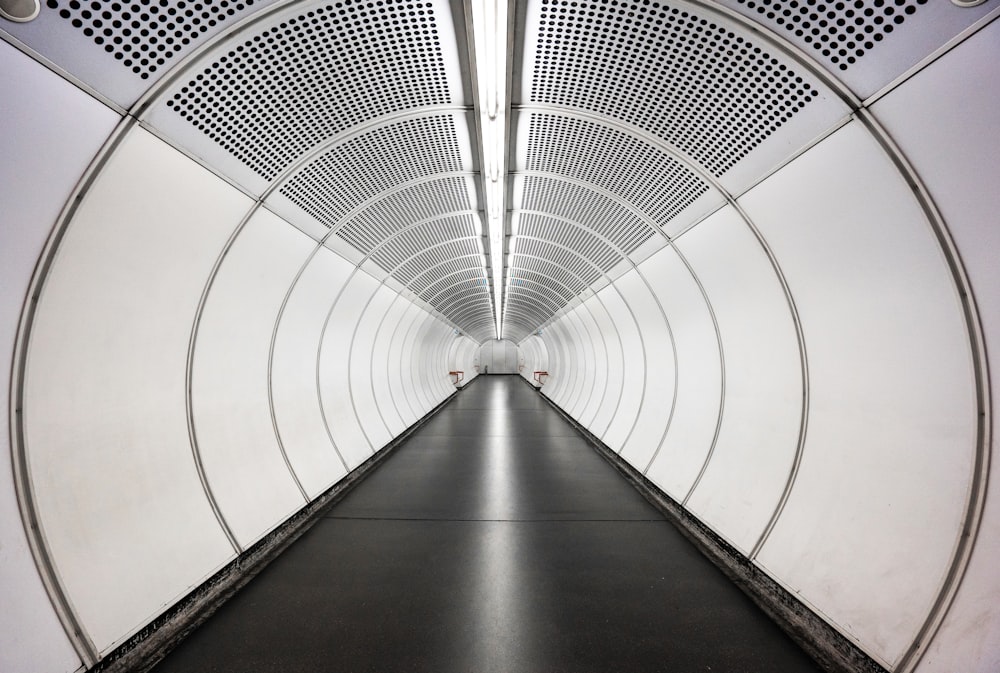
x=748 y=248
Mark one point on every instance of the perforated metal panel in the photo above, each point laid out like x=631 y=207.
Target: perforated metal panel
x=121 y=47
x=867 y=43
x=651 y=180
x=365 y=166
x=713 y=94
x=144 y=35
x=307 y=73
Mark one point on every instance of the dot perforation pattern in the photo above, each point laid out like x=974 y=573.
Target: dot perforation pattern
x=646 y=177
x=706 y=90
x=294 y=84
x=142 y=35
x=595 y=211
x=842 y=31
x=358 y=170
x=437 y=241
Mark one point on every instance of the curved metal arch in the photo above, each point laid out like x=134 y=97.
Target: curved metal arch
x=439 y=264
x=467 y=310
x=545 y=301
x=469 y=314
x=440 y=288
x=549 y=262
x=463 y=302
x=524 y=310
x=420 y=263
x=550 y=295
x=444 y=289
x=436 y=283
x=353 y=213
x=482 y=323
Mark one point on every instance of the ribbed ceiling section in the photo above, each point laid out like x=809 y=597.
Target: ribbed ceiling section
x=630 y=121
x=633 y=120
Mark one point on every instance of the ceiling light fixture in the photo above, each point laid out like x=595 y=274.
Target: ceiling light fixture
x=489 y=23
x=20 y=11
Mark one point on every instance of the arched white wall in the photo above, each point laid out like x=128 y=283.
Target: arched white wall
x=171 y=280
x=822 y=420
x=500 y=356
x=462 y=353
x=825 y=420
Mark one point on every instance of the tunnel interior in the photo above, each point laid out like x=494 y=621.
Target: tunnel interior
x=747 y=245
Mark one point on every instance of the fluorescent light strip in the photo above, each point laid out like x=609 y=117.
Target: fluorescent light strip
x=490 y=39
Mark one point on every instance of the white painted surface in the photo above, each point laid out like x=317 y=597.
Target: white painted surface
x=559 y=367
x=699 y=370
x=615 y=379
x=401 y=345
x=969 y=638
x=361 y=359
x=383 y=367
x=414 y=366
x=892 y=414
x=588 y=362
x=58 y=131
x=498 y=356
x=252 y=484
x=297 y=409
x=583 y=362
x=659 y=371
x=334 y=368
x=633 y=371
x=598 y=385
x=957 y=98
x=760 y=425
x=105 y=410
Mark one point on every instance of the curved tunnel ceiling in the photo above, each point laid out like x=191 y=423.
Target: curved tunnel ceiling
x=638 y=136
x=630 y=122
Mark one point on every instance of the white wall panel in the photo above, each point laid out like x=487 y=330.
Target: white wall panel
x=559 y=374
x=400 y=348
x=297 y=408
x=412 y=363
x=54 y=132
x=699 y=375
x=118 y=495
x=760 y=424
x=951 y=143
x=598 y=385
x=435 y=362
x=589 y=364
x=467 y=359
x=334 y=368
x=535 y=358
x=423 y=363
x=361 y=360
x=615 y=381
x=633 y=370
x=580 y=364
x=659 y=387
x=243 y=463
x=383 y=366
x=892 y=418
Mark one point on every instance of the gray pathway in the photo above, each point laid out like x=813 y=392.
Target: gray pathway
x=494 y=540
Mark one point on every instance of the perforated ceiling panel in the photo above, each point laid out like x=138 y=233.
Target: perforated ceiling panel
x=699 y=82
x=867 y=43
x=651 y=180
x=121 y=47
x=308 y=73
x=712 y=94
x=358 y=170
x=606 y=217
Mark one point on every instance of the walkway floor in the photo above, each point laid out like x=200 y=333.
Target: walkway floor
x=495 y=539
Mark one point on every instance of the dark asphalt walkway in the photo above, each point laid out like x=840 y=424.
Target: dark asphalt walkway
x=494 y=540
